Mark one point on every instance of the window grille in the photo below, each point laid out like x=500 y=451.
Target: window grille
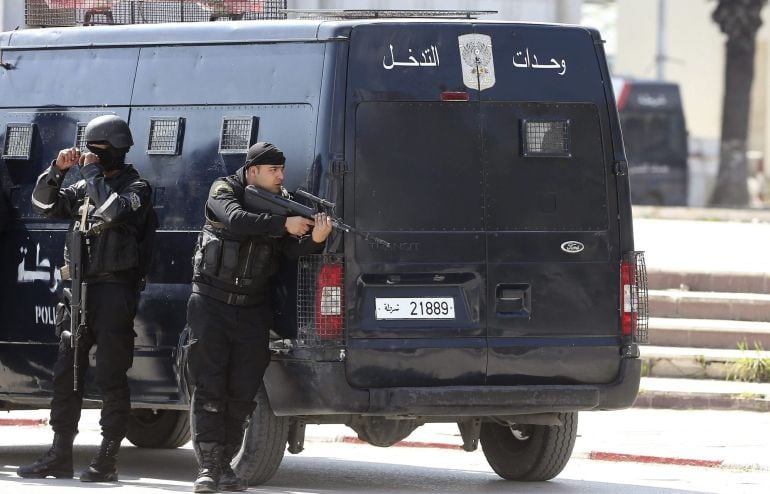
x=546 y=138
x=165 y=135
x=47 y=13
x=237 y=134
x=80 y=137
x=18 y=141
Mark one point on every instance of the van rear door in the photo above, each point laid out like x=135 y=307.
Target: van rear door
x=418 y=313
x=552 y=285
x=497 y=202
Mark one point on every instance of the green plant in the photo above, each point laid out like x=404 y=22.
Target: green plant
x=645 y=368
x=750 y=368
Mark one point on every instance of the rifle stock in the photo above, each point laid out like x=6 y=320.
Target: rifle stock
x=258 y=199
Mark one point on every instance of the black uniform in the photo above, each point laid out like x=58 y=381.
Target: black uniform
x=119 y=208
x=229 y=312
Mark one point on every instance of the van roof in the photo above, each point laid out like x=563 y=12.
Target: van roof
x=215 y=32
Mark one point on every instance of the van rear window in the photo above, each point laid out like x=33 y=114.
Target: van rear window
x=417 y=167
x=494 y=166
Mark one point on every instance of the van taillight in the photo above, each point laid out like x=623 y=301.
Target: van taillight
x=455 y=96
x=633 y=297
x=623 y=96
x=329 y=306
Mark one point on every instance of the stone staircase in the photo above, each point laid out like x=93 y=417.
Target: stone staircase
x=697 y=322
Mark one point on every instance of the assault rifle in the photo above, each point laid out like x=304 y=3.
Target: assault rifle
x=77 y=296
x=258 y=199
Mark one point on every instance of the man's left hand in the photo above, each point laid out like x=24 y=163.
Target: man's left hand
x=322 y=229
x=88 y=159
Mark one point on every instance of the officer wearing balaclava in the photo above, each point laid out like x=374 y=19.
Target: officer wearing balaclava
x=119 y=207
x=229 y=311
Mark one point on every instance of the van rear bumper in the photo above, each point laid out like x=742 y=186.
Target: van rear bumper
x=315 y=388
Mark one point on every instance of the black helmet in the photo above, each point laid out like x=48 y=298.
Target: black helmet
x=111 y=129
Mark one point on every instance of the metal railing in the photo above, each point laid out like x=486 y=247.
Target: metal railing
x=50 y=13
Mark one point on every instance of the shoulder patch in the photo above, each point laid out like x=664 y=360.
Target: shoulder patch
x=220 y=189
x=136 y=202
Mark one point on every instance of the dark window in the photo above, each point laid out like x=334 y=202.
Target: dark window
x=658 y=136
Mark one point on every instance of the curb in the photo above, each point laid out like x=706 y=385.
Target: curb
x=687 y=401
x=23 y=422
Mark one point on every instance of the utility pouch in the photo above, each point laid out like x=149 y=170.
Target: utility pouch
x=210 y=253
x=230 y=251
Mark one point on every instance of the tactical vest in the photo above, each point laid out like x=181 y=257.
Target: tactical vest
x=113 y=249
x=234 y=269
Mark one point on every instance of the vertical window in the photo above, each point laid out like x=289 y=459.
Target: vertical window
x=80 y=139
x=237 y=134
x=18 y=141
x=166 y=135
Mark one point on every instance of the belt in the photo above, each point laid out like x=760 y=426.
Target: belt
x=225 y=296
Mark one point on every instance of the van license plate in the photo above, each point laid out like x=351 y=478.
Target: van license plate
x=415 y=308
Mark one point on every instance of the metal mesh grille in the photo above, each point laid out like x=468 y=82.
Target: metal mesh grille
x=639 y=296
x=320 y=300
x=546 y=138
x=90 y=12
x=18 y=141
x=80 y=137
x=164 y=136
x=236 y=134
x=375 y=14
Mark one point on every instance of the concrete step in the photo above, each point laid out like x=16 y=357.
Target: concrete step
x=710 y=305
x=705 y=363
x=707 y=333
x=709 y=281
x=686 y=394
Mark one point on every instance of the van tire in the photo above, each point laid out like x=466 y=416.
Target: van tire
x=158 y=428
x=529 y=452
x=263 y=443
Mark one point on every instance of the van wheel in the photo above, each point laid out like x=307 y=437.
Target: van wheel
x=158 y=428
x=263 y=444
x=529 y=452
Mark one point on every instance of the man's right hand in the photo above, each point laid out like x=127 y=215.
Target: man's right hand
x=298 y=226
x=67 y=158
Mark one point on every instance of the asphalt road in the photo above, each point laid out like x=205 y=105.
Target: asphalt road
x=738 y=438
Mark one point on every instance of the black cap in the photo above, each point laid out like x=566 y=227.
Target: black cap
x=263 y=153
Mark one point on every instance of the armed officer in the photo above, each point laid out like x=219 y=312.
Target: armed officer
x=119 y=208
x=229 y=311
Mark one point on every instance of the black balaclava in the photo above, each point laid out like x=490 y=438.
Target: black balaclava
x=111 y=158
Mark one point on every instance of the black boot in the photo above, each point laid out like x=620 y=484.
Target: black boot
x=57 y=462
x=229 y=481
x=102 y=467
x=210 y=459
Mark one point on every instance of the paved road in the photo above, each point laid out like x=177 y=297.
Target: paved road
x=736 y=439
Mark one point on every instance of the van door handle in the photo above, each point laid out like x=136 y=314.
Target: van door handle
x=513 y=300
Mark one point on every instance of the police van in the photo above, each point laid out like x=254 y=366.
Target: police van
x=655 y=137
x=487 y=154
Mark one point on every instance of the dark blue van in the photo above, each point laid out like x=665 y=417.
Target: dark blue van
x=655 y=137
x=488 y=154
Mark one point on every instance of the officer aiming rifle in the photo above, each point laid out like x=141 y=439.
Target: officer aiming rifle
x=258 y=199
